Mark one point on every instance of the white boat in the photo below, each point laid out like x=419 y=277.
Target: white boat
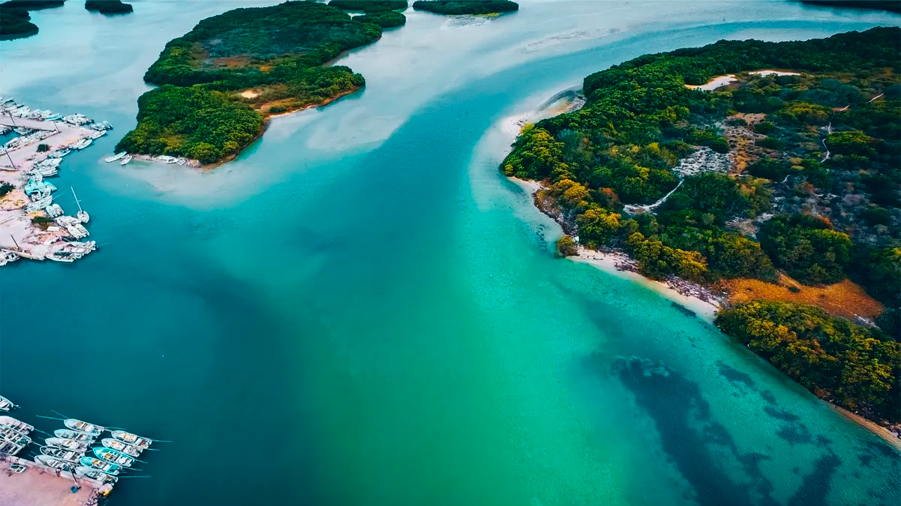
x=115 y=444
x=11 y=435
x=94 y=474
x=61 y=453
x=6 y=404
x=132 y=439
x=82 y=215
x=54 y=463
x=115 y=157
x=67 y=444
x=82 y=144
x=98 y=134
x=125 y=160
x=87 y=428
x=167 y=159
x=8 y=421
x=81 y=437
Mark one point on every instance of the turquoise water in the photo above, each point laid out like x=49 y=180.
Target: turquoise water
x=362 y=311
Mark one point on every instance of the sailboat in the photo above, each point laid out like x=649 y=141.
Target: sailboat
x=82 y=215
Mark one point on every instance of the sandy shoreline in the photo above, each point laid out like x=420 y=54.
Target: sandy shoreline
x=693 y=297
x=622 y=266
x=681 y=292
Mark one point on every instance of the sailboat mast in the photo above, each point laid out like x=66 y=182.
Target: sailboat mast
x=76 y=198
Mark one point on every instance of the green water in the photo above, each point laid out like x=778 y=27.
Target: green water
x=362 y=311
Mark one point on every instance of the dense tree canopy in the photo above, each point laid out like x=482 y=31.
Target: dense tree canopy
x=15 y=22
x=369 y=6
x=108 y=7
x=854 y=366
x=274 y=54
x=457 y=7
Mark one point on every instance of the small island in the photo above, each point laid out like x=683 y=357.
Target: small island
x=15 y=22
x=470 y=7
x=380 y=12
x=108 y=7
x=877 y=5
x=220 y=82
x=765 y=172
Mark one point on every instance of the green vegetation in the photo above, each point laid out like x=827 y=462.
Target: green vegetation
x=566 y=246
x=108 y=7
x=5 y=188
x=275 y=54
x=457 y=7
x=386 y=19
x=879 y=5
x=643 y=134
x=15 y=22
x=43 y=148
x=851 y=365
x=807 y=248
x=369 y=6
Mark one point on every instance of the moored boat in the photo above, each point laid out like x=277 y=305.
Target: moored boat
x=113 y=456
x=94 y=474
x=132 y=451
x=8 y=421
x=132 y=439
x=68 y=444
x=87 y=428
x=115 y=157
x=61 y=453
x=54 y=463
x=125 y=160
x=6 y=404
x=102 y=465
x=75 y=435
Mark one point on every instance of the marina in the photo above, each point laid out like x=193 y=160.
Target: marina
x=66 y=470
x=32 y=225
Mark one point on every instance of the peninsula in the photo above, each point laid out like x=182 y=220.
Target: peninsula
x=15 y=22
x=765 y=170
x=220 y=82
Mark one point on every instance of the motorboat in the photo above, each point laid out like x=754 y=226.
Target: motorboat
x=75 y=435
x=6 y=404
x=115 y=444
x=68 y=444
x=102 y=465
x=125 y=160
x=94 y=474
x=113 y=456
x=8 y=421
x=61 y=453
x=87 y=428
x=117 y=156
x=54 y=463
x=133 y=439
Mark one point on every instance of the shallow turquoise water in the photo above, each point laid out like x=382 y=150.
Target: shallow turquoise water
x=362 y=311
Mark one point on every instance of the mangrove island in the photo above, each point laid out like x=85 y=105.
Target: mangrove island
x=471 y=7
x=220 y=81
